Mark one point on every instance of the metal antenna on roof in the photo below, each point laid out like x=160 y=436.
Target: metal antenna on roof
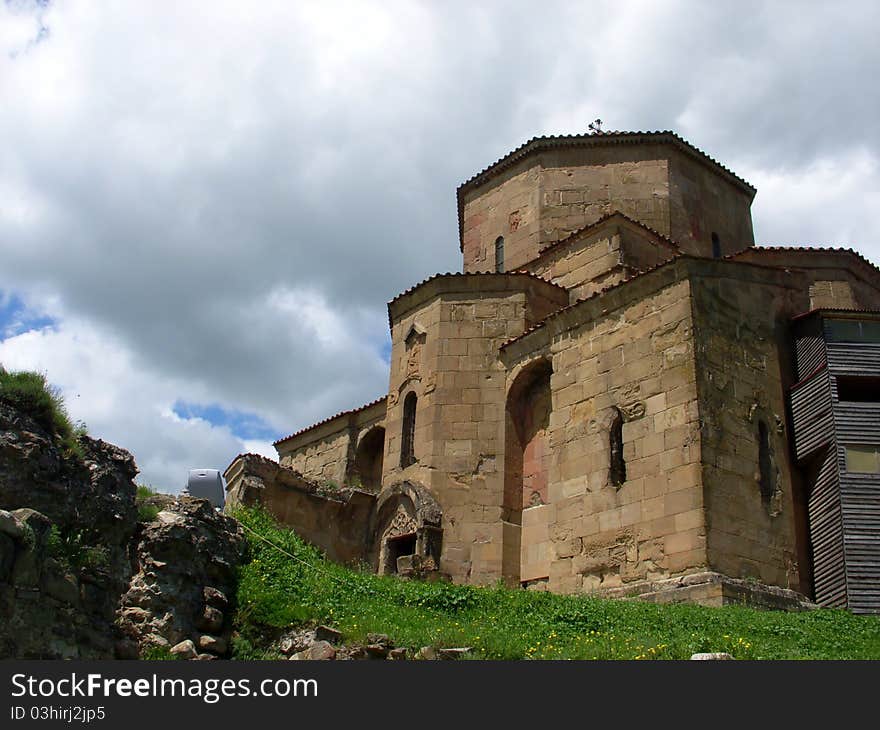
x=596 y=126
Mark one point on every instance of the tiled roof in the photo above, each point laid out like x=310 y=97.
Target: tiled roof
x=666 y=240
x=834 y=310
x=463 y=274
x=331 y=418
x=802 y=249
x=729 y=257
x=585 y=140
x=600 y=292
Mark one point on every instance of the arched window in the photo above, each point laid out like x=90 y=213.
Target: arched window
x=499 y=254
x=765 y=465
x=617 y=473
x=716 y=246
x=407 y=454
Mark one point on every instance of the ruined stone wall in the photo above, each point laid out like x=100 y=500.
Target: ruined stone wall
x=637 y=357
x=459 y=383
x=701 y=202
x=743 y=350
x=337 y=521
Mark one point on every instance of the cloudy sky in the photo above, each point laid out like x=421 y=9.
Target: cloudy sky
x=205 y=206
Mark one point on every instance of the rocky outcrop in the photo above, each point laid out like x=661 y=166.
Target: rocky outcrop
x=53 y=604
x=68 y=518
x=94 y=493
x=184 y=578
x=80 y=577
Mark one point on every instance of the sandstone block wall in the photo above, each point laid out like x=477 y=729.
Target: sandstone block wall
x=639 y=358
x=600 y=258
x=460 y=383
x=746 y=369
x=580 y=185
x=702 y=202
x=742 y=334
x=324 y=455
x=509 y=207
x=337 y=521
x=551 y=193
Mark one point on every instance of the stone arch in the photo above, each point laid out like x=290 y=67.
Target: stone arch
x=526 y=457
x=527 y=418
x=407 y=522
x=369 y=459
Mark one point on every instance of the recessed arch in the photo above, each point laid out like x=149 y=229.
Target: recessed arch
x=369 y=459
x=526 y=453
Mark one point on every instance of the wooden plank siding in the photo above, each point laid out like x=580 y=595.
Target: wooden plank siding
x=843 y=508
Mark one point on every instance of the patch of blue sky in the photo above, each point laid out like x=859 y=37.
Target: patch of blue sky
x=385 y=351
x=244 y=425
x=16 y=318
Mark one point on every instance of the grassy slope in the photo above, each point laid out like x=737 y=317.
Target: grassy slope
x=277 y=590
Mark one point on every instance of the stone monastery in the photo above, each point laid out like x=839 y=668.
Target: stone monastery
x=620 y=393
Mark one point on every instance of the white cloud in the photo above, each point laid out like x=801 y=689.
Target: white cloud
x=215 y=202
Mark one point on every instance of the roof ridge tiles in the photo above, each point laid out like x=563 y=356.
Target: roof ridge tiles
x=616 y=137
x=330 y=418
x=802 y=249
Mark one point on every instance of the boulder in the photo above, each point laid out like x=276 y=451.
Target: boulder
x=184 y=650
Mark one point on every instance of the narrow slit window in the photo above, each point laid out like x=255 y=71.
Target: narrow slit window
x=499 y=254
x=618 y=463
x=716 y=246
x=407 y=453
x=765 y=463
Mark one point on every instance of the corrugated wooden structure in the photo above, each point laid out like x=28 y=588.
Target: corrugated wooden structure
x=835 y=410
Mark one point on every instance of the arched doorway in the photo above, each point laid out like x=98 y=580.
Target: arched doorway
x=369 y=459
x=407 y=525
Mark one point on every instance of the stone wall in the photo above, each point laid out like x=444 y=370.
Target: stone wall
x=509 y=206
x=702 y=202
x=326 y=453
x=743 y=330
x=321 y=455
x=742 y=318
x=460 y=384
x=48 y=608
x=335 y=520
x=601 y=257
x=581 y=185
x=632 y=351
x=549 y=194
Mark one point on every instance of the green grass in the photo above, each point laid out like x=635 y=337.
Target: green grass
x=31 y=393
x=71 y=549
x=146 y=512
x=277 y=591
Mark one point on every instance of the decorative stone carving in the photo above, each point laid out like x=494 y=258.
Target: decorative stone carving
x=401 y=524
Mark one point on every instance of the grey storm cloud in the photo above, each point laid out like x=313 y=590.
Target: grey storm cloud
x=233 y=192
